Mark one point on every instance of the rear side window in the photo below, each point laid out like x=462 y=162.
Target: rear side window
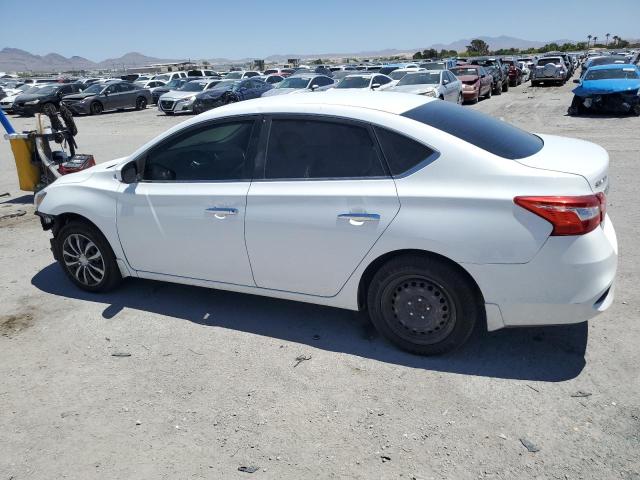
x=305 y=149
x=403 y=154
x=483 y=131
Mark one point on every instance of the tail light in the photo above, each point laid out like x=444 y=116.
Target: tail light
x=568 y=215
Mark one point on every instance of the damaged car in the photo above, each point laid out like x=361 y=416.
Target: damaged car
x=608 y=89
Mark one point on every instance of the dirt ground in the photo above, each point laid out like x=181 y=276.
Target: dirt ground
x=161 y=381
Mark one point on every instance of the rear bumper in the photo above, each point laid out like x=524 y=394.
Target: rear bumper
x=570 y=280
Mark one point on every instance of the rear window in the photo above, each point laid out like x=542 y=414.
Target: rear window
x=483 y=131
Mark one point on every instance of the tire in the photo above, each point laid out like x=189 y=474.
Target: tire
x=497 y=90
x=49 y=106
x=141 y=103
x=198 y=109
x=410 y=286
x=460 y=100
x=86 y=257
x=488 y=95
x=168 y=113
x=96 y=108
x=505 y=86
x=534 y=83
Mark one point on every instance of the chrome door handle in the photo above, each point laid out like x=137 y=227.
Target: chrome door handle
x=360 y=217
x=222 y=212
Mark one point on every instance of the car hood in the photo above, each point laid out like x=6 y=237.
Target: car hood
x=414 y=88
x=177 y=95
x=281 y=91
x=79 y=96
x=84 y=175
x=606 y=86
x=468 y=78
x=28 y=98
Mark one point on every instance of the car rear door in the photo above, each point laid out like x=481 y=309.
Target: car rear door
x=186 y=216
x=320 y=199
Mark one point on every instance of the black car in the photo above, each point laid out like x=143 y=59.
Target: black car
x=498 y=70
x=30 y=103
x=230 y=91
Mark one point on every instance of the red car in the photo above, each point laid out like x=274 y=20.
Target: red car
x=515 y=72
x=476 y=82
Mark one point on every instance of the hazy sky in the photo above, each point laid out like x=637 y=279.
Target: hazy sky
x=258 y=28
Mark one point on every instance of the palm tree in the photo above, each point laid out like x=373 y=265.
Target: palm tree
x=589 y=42
x=615 y=39
x=607 y=35
x=595 y=40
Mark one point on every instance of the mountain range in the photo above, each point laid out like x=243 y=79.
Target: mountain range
x=14 y=59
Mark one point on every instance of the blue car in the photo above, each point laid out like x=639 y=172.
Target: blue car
x=610 y=88
x=230 y=91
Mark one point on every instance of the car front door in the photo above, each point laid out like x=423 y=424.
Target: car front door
x=320 y=199
x=186 y=216
x=111 y=98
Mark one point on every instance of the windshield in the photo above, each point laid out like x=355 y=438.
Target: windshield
x=176 y=82
x=95 y=88
x=397 y=75
x=608 y=73
x=426 y=78
x=270 y=72
x=294 y=82
x=485 y=63
x=225 y=84
x=163 y=78
x=433 y=65
x=464 y=71
x=48 y=89
x=192 y=87
x=353 y=82
x=233 y=75
x=607 y=61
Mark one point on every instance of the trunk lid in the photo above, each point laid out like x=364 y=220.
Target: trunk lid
x=568 y=155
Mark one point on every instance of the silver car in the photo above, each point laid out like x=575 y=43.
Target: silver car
x=440 y=84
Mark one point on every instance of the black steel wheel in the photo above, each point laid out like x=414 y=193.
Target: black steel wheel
x=424 y=305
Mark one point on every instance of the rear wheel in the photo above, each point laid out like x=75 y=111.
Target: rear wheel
x=86 y=257
x=96 y=108
x=423 y=305
x=489 y=93
x=505 y=86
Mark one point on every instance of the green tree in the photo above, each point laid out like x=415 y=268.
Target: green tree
x=478 y=47
x=417 y=56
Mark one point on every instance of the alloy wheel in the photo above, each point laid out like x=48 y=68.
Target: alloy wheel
x=83 y=259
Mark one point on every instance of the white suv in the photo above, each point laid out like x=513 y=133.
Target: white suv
x=433 y=218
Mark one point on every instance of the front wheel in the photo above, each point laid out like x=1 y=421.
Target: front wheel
x=505 y=86
x=141 y=103
x=423 y=305
x=96 y=108
x=86 y=257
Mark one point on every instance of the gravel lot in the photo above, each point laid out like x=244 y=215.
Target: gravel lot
x=212 y=382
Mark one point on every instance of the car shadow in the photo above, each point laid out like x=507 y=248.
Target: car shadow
x=550 y=354
x=21 y=200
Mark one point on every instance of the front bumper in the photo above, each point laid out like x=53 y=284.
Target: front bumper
x=570 y=280
x=470 y=94
x=175 y=106
x=609 y=103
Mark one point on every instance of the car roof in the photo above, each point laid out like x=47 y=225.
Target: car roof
x=389 y=102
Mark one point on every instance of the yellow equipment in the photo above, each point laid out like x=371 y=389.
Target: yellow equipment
x=28 y=172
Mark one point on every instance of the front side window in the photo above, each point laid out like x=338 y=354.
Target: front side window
x=354 y=82
x=210 y=153
x=306 y=149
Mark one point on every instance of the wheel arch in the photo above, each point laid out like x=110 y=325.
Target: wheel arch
x=374 y=266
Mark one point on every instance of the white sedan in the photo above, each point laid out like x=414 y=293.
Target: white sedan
x=433 y=218
x=440 y=84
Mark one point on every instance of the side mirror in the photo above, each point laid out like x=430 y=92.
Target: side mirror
x=313 y=87
x=445 y=82
x=482 y=76
x=374 y=86
x=128 y=173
